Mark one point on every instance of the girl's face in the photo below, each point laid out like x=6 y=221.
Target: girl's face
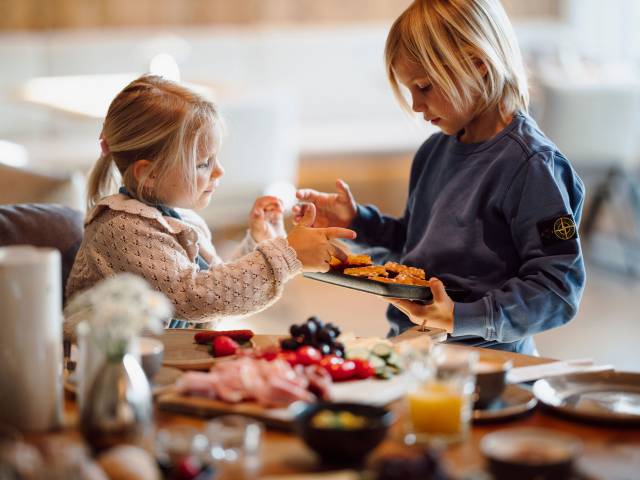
x=208 y=174
x=428 y=99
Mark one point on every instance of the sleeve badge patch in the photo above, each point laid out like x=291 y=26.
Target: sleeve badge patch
x=557 y=229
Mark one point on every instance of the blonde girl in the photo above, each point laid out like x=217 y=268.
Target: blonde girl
x=493 y=206
x=162 y=140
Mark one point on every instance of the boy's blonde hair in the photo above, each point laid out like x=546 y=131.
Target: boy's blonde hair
x=157 y=120
x=449 y=39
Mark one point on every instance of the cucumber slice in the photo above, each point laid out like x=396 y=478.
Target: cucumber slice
x=377 y=362
x=384 y=373
x=393 y=360
x=382 y=350
x=393 y=369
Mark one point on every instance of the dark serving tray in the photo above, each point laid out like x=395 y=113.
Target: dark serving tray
x=394 y=290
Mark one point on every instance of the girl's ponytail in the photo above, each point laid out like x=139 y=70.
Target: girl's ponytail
x=102 y=179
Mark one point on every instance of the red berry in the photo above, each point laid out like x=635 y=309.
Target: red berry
x=188 y=468
x=224 y=346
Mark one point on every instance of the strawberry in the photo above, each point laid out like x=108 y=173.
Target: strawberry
x=223 y=346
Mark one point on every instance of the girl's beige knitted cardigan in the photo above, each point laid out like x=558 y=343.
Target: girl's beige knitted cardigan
x=125 y=235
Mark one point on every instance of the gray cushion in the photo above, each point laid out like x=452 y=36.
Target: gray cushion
x=43 y=225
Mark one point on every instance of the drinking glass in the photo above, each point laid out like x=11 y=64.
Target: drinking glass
x=234 y=443
x=440 y=398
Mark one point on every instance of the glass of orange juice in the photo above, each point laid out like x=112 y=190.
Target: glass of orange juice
x=439 y=401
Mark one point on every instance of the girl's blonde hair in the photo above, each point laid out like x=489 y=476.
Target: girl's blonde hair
x=156 y=120
x=450 y=39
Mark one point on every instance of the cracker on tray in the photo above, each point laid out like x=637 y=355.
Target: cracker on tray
x=352 y=262
x=402 y=280
x=369 y=271
x=400 y=269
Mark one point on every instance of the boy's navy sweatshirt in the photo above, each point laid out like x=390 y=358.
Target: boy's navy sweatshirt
x=497 y=219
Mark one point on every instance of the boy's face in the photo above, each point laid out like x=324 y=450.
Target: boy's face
x=207 y=177
x=428 y=99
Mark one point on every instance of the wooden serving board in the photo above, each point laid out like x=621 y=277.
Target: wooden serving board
x=436 y=334
x=370 y=392
x=279 y=418
x=181 y=351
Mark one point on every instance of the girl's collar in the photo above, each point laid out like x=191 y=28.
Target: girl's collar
x=124 y=203
x=163 y=209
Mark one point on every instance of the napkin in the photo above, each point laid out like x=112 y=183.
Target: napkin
x=535 y=372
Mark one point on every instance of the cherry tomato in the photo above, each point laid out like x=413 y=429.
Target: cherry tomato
x=269 y=353
x=329 y=360
x=342 y=371
x=364 y=369
x=289 y=357
x=308 y=355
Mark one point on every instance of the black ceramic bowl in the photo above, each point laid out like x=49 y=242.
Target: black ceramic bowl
x=340 y=445
x=531 y=453
x=490 y=381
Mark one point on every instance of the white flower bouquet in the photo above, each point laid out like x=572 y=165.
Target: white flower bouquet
x=118 y=309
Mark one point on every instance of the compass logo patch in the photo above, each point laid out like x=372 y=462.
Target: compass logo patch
x=557 y=230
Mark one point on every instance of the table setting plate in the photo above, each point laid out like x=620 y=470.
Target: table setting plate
x=163 y=381
x=607 y=397
x=514 y=401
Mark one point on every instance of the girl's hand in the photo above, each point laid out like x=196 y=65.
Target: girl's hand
x=438 y=314
x=266 y=219
x=332 y=209
x=314 y=246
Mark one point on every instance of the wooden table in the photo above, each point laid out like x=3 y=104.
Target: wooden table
x=609 y=452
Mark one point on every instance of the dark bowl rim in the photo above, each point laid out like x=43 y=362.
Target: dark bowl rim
x=383 y=417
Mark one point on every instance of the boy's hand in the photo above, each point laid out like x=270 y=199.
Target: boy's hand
x=332 y=209
x=315 y=246
x=266 y=219
x=438 y=314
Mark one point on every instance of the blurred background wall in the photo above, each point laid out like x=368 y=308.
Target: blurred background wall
x=66 y=14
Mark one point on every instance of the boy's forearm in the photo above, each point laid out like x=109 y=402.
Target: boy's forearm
x=526 y=305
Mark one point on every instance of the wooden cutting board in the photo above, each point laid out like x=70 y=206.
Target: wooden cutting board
x=181 y=351
x=370 y=392
x=436 y=334
x=279 y=418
